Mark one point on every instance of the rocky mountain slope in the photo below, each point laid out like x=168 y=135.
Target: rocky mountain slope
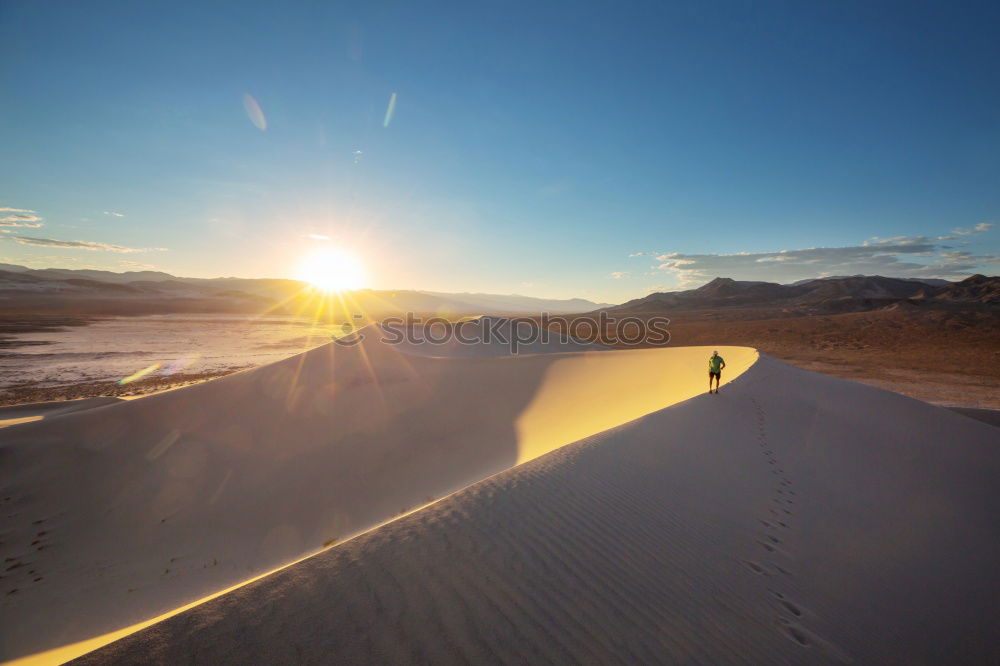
x=826 y=295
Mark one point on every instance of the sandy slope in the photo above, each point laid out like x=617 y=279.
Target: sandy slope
x=16 y=414
x=793 y=519
x=991 y=416
x=116 y=514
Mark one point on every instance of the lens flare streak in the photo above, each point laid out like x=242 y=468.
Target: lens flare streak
x=390 y=110
x=254 y=112
x=179 y=364
x=139 y=375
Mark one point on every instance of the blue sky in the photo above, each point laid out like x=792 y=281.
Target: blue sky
x=533 y=147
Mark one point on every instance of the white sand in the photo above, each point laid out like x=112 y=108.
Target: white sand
x=793 y=519
x=129 y=510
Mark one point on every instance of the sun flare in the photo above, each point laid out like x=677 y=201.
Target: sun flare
x=332 y=270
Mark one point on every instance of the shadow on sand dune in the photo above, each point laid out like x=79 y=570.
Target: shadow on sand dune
x=131 y=510
x=795 y=518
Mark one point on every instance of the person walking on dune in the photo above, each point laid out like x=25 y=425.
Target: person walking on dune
x=715 y=366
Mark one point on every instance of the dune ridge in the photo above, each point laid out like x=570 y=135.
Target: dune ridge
x=793 y=519
x=132 y=509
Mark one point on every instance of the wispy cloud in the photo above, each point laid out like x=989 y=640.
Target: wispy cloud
x=978 y=229
x=80 y=245
x=113 y=213
x=640 y=254
x=29 y=221
x=19 y=217
x=618 y=275
x=318 y=237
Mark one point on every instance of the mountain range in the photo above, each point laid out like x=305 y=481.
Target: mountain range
x=824 y=295
x=76 y=291
x=97 y=292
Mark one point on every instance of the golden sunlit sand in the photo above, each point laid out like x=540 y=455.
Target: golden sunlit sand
x=584 y=505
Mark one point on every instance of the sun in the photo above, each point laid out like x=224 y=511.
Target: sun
x=332 y=270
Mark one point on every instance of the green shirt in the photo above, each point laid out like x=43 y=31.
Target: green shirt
x=715 y=363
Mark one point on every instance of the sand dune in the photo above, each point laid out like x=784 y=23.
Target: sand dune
x=793 y=519
x=16 y=414
x=991 y=416
x=121 y=512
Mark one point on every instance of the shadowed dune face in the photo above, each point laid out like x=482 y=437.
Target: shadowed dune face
x=17 y=414
x=130 y=510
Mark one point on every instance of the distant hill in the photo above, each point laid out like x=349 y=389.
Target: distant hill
x=103 y=276
x=823 y=295
x=935 y=282
x=24 y=289
x=978 y=288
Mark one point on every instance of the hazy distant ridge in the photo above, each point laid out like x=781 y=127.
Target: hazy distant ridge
x=148 y=292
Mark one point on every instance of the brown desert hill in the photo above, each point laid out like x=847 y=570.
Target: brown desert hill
x=977 y=289
x=720 y=292
x=860 y=287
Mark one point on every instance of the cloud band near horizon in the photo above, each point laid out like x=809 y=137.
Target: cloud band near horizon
x=80 y=245
x=896 y=257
